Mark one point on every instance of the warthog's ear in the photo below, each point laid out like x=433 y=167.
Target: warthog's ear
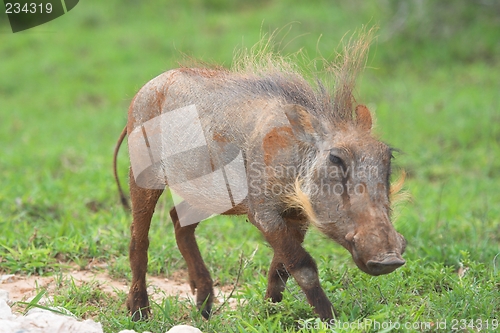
x=363 y=117
x=305 y=126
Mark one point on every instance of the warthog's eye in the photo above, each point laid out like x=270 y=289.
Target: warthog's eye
x=336 y=160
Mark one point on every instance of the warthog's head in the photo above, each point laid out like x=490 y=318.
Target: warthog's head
x=344 y=188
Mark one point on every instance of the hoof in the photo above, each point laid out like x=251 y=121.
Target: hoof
x=140 y=314
x=135 y=309
x=206 y=312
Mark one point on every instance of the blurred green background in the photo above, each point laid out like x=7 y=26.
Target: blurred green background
x=432 y=79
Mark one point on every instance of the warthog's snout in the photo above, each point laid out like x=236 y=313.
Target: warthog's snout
x=386 y=265
x=377 y=252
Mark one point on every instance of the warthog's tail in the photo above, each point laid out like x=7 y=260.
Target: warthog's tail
x=123 y=198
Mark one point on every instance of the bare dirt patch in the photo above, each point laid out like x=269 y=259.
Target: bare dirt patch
x=24 y=288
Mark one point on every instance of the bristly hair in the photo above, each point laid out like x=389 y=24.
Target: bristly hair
x=300 y=200
x=346 y=69
x=397 y=194
x=336 y=105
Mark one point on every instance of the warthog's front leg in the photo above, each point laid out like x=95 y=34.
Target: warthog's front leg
x=288 y=250
x=276 y=280
x=143 y=206
x=278 y=274
x=199 y=277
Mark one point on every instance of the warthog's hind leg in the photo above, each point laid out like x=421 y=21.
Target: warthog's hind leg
x=199 y=277
x=143 y=206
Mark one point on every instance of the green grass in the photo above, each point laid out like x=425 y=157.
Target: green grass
x=433 y=81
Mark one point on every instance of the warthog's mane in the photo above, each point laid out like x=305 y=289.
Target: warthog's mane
x=330 y=99
x=262 y=72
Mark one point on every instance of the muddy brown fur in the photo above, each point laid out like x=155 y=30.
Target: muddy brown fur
x=310 y=158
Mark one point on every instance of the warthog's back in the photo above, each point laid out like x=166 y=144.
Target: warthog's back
x=205 y=121
x=226 y=100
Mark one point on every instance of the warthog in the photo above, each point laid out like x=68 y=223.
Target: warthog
x=307 y=156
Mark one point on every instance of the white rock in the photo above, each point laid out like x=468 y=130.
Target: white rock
x=184 y=329
x=44 y=321
x=5 y=312
x=4 y=295
x=9 y=326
